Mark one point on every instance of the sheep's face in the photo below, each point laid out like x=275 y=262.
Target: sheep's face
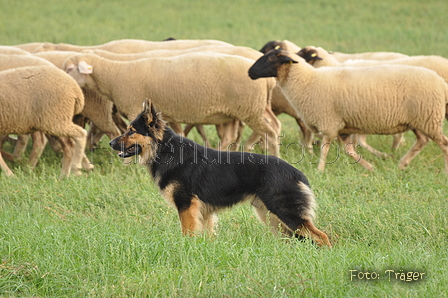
x=272 y=45
x=142 y=136
x=78 y=71
x=268 y=64
x=310 y=54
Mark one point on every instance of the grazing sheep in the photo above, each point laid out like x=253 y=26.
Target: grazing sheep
x=42 y=98
x=319 y=57
x=132 y=45
x=10 y=50
x=385 y=99
x=198 y=88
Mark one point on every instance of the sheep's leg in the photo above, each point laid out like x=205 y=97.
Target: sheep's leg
x=362 y=141
x=67 y=154
x=442 y=141
x=254 y=138
x=86 y=164
x=307 y=136
x=21 y=143
x=421 y=142
x=228 y=134
x=93 y=136
x=39 y=142
x=54 y=143
x=350 y=150
x=272 y=119
x=78 y=156
x=8 y=156
x=4 y=166
x=201 y=131
x=3 y=139
x=188 y=128
x=177 y=128
x=397 y=140
x=276 y=126
x=326 y=143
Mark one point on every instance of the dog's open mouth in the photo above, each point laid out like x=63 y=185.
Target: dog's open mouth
x=130 y=151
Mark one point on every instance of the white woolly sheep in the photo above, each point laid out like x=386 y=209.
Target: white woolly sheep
x=10 y=50
x=224 y=49
x=39 y=139
x=42 y=98
x=380 y=56
x=319 y=57
x=132 y=45
x=198 y=88
x=229 y=132
x=8 y=61
x=29 y=47
x=99 y=110
x=385 y=99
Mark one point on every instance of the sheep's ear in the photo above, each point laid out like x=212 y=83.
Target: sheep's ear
x=314 y=56
x=286 y=59
x=84 y=67
x=309 y=55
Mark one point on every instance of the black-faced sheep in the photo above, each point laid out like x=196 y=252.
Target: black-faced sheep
x=198 y=88
x=42 y=98
x=341 y=57
x=385 y=99
x=319 y=57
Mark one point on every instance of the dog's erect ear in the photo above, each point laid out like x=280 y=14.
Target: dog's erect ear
x=147 y=111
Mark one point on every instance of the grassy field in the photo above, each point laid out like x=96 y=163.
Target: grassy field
x=110 y=233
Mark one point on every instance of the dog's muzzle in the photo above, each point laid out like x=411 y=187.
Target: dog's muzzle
x=124 y=151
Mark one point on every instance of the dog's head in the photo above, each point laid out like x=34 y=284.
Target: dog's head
x=142 y=135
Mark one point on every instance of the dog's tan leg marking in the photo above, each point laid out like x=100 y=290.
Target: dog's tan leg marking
x=309 y=230
x=191 y=219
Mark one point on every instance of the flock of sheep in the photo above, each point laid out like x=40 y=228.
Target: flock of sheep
x=50 y=91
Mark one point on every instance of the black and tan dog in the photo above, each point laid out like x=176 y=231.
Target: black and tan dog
x=200 y=181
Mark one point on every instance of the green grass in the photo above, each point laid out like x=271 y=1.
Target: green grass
x=110 y=233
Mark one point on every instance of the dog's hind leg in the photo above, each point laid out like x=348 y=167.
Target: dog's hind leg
x=210 y=220
x=269 y=218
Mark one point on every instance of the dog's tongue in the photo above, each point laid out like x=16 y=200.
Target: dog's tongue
x=121 y=154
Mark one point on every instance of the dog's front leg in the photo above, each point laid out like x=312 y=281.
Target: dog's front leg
x=191 y=218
